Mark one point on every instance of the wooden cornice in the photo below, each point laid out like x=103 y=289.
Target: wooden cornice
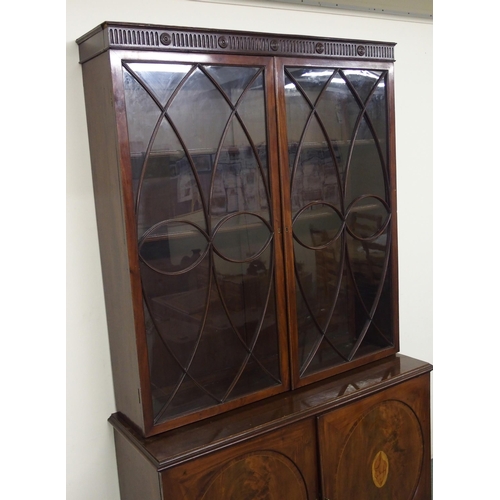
x=111 y=35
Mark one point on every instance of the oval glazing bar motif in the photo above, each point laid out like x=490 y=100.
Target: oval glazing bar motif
x=341 y=212
x=198 y=141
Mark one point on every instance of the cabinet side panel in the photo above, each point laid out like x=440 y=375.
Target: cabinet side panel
x=112 y=235
x=138 y=478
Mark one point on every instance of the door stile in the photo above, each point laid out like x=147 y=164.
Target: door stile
x=286 y=231
x=277 y=191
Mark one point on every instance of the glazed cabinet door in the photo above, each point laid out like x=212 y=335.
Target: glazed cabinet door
x=379 y=447
x=278 y=465
x=339 y=190
x=200 y=158
x=245 y=196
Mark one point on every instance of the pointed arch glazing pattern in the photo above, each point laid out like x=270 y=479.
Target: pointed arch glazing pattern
x=199 y=153
x=341 y=213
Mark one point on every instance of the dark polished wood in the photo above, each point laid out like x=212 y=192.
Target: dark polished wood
x=102 y=125
x=117 y=270
x=381 y=407
x=280 y=464
x=168 y=38
x=378 y=447
x=179 y=445
x=137 y=479
x=155 y=314
x=391 y=347
x=245 y=192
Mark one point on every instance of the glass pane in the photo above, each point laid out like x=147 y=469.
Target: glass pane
x=366 y=172
x=337 y=142
x=251 y=109
x=363 y=81
x=158 y=78
x=241 y=237
x=376 y=113
x=317 y=226
x=199 y=152
x=200 y=113
x=233 y=80
x=330 y=109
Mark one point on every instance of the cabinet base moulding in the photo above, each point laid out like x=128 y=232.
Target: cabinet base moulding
x=365 y=432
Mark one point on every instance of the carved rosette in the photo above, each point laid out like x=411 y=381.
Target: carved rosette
x=165 y=39
x=274 y=44
x=320 y=48
x=222 y=42
x=146 y=37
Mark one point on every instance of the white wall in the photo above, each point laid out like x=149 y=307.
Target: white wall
x=91 y=466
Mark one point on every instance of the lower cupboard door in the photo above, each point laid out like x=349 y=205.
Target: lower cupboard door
x=379 y=447
x=276 y=466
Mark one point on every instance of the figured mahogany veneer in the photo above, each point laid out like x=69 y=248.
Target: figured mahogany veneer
x=245 y=192
x=347 y=422
x=381 y=448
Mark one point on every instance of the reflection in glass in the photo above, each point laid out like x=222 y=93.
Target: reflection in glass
x=198 y=140
x=337 y=148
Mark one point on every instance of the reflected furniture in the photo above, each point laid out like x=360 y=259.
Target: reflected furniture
x=246 y=206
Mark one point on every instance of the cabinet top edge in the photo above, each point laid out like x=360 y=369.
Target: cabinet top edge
x=134 y=36
x=179 y=445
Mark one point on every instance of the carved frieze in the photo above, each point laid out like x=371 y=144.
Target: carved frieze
x=163 y=38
